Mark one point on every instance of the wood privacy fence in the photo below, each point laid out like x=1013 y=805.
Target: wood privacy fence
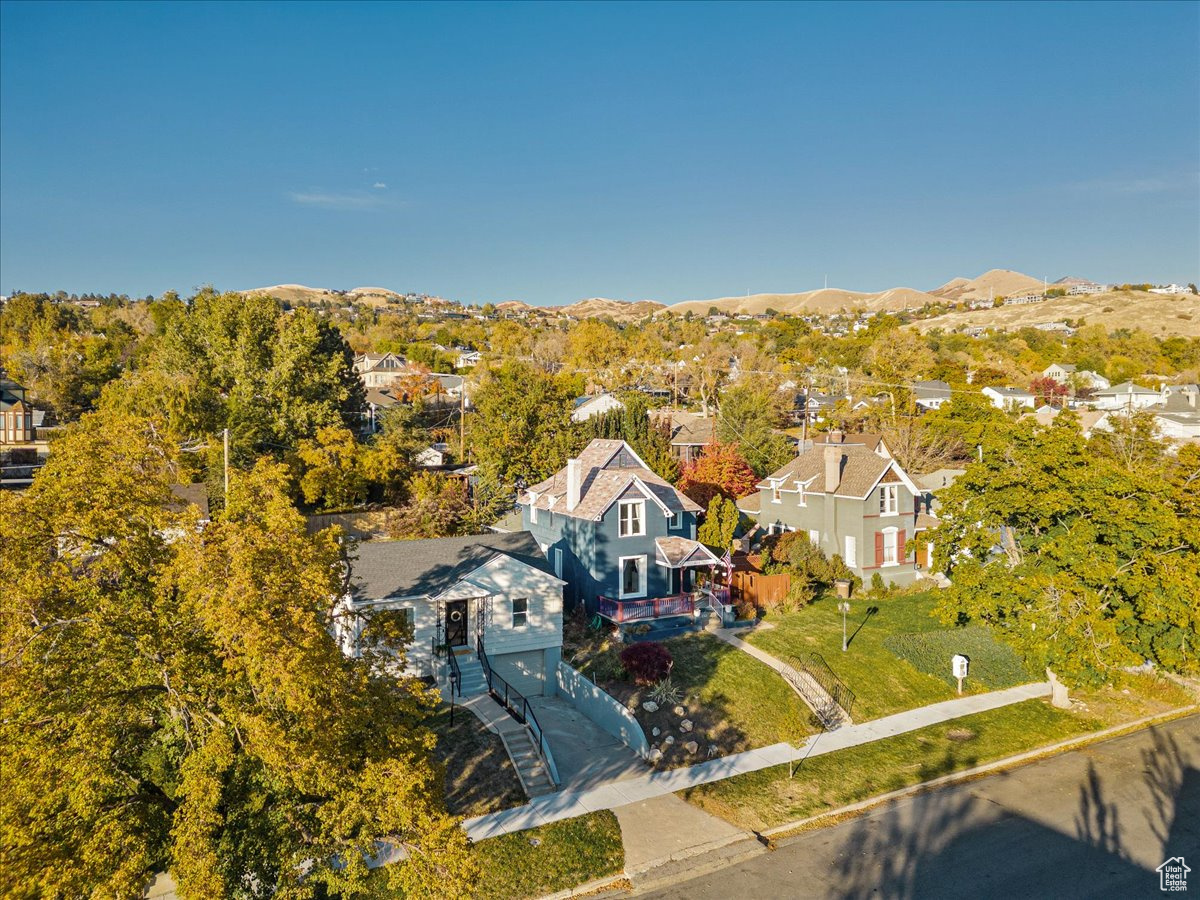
x=359 y=524
x=759 y=589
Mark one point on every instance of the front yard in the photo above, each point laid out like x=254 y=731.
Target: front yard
x=480 y=777
x=899 y=654
x=734 y=702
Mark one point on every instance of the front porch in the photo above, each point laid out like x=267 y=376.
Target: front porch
x=620 y=612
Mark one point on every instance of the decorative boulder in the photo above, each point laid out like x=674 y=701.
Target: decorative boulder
x=655 y=731
x=685 y=725
x=679 y=711
x=669 y=740
x=655 y=755
x=691 y=747
x=650 y=706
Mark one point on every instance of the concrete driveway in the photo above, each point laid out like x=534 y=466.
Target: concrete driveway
x=586 y=755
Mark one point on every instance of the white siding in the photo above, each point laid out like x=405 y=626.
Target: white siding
x=504 y=580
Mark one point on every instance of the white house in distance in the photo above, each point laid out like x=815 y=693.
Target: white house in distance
x=931 y=394
x=377 y=370
x=1065 y=372
x=458 y=590
x=1009 y=398
x=586 y=407
x=1126 y=395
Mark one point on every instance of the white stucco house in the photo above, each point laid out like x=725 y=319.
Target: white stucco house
x=1009 y=398
x=455 y=592
x=1126 y=395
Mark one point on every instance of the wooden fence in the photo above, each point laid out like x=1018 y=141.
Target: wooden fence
x=360 y=524
x=759 y=589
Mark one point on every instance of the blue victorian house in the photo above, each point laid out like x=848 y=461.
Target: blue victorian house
x=622 y=538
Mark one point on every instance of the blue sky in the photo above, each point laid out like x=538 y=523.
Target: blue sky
x=548 y=153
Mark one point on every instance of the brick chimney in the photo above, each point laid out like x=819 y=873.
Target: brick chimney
x=833 y=467
x=574 y=483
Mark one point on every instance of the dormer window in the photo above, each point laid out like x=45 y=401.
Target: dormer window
x=888 y=499
x=676 y=520
x=800 y=499
x=776 y=492
x=632 y=518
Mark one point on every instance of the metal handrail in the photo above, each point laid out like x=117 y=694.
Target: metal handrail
x=455 y=673
x=815 y=667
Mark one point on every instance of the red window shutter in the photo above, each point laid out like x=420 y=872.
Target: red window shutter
x=901 y=553
x=878 y=548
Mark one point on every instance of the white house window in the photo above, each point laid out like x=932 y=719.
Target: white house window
x=633 y=518
x=800 y=500
x=889 y=547
x=888 y=500
x=676 y=520
x=633 y=576
x=851 y=554
x=776 y=496
x=520 y=615
x=814 y=537
x=558 y=562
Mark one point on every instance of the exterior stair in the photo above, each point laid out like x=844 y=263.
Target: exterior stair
x=473 y=681
x=518 y=742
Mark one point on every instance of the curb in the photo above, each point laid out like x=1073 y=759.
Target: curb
x=620 y=881
x=834 y=816
x=688 y=853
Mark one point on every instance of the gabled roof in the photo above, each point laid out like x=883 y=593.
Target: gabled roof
x=931 y=390
x=607 y=469
x=677 y=552
x=687 y=428
x=1010 y=392
x=1126 y=387
x=860 y=471
x=873 y=442
x=430 y=567
x=1066 y=367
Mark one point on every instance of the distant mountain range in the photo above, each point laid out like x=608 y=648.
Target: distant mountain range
x=994 y=283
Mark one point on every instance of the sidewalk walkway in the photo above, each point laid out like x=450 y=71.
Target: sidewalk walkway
x=568 y=804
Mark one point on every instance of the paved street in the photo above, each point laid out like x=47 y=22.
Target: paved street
x=1091 y=823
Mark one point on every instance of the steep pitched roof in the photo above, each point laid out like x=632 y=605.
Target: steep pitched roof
x=872 y=442
x=688 y=428
x=607 y=469
x=860 y=471
x=429 y=567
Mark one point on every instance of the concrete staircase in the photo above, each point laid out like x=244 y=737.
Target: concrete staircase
x=473 y=681
x=518 y=741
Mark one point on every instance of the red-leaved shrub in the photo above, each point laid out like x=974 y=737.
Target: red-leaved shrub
x=647 y=663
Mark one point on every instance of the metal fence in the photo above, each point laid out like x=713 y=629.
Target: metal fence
x=814 y=665
x=517 y=705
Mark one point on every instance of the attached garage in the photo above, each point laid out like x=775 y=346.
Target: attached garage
x=525 y=671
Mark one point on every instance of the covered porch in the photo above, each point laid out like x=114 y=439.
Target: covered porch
x=681 y=557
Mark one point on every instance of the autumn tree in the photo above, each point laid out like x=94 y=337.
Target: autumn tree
x=437 y=507
x=749 y=414
x=896 y=358
x=174 y=699
x=719 y=471
x=1049 y=391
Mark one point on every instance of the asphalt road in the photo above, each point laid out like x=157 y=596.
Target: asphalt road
x=1095 y=822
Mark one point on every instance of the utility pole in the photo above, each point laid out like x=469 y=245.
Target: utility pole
x=225 y=443
x=462 y=419
x=804 y=424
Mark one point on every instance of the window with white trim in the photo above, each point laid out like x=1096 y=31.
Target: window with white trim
x=801 y=500
x=676 y=520
x=632 y=517
x=890 y=542
x=850 y=557
x=776 y=495
x=520 y=612
x=633 y=577
x=888 y=499
x=814 y=537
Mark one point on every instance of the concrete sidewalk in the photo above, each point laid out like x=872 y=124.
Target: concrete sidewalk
x=568 y=804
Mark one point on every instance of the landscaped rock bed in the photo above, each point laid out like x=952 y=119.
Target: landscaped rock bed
x=687 y=732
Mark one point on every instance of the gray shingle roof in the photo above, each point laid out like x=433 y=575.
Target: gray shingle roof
x=428 y=567
x=860 y=470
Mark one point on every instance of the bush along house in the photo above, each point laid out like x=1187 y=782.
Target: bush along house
x=622 y=538
x=852 y=502
x=463 y=597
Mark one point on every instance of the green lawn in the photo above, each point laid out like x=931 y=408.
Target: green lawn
x=480 y=777
x=540 y=861
x=734 y=701
x=884 y=683
x=768 y=798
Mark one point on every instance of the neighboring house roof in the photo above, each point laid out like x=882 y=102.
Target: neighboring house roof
x=873 y=442
x=1008 y=392
x=381 y=397
x=1125 y=387
x=1063 y=367
x=189 y=495
x=931 y=390
x=586 y=407
x=509 y=523
x=428 y=567
x=1087 y=417
x=677 y=552
x=688 y=428
x=751 y=505
x=607 y=469
x=860 y=470
x=926 y=521
x=938 y=479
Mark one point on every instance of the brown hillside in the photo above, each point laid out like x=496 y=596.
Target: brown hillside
x=1158 y=314
x=993 y=283
x=826 y=300
x=620 y=310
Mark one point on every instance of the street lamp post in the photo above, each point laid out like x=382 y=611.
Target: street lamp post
x=843 y=608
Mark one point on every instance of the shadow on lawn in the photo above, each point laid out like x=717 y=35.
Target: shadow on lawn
x=871 y=610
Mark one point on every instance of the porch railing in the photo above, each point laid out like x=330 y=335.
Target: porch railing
x=621 y=611
x=518 y=707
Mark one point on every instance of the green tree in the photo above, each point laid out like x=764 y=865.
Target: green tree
x=332 y=475
x=720 y=523
x=632 y=424
x=174 y=699
x=748 y=415
x=1084 y=555
x=438 y=507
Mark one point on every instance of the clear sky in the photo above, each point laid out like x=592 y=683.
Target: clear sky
x=553 y=152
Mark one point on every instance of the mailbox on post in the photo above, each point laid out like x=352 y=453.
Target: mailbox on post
x=959 y=664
